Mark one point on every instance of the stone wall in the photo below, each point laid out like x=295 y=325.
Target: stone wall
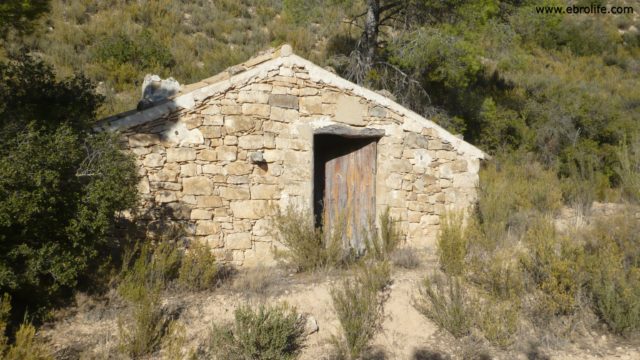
x=196 y=164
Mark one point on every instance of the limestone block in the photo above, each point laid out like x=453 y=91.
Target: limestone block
x=153 y=160
x=265 y=192
x=168 y=173
x=165 y=196
x=430 y=220
x=459 y=166
x=189 y=199
x=214 y=241
x=285 y=71
x=398 y=165
x=192 y=122
x=262 y=227
x=227 y=153
x=416 y=141
x=260 y=255
x=311 y=105
x=235 y=193
x=200 y=214
x=250 y=209
x=237 y=179
x=207 y=227
x=251 y=142
x=262 y=110
x=212 y=169
x=188 y=170
x=349 y=110
x=231 y=109
x=178 y=210
x=197 y=185
x=212 y=109
x=238 y=168
x=180 y=154
x=465 y=180
x=258 y=97
x=329 y=97
x=273 y=155
x=231 y=140
x=377 y=111
x=211 y=132
x=209 y=201
x=208 y=155
x=143 y=186
x=140 y=151
x=238 y=241
x=414 y=216
x=284 y=115
x=213 y=120
x=394 y=181
x=445 y=155
x=234 y=124
x=269 y=140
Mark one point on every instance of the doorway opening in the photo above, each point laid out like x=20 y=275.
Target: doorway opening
x=344 y=184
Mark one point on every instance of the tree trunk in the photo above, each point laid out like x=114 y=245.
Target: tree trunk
x=370 y=35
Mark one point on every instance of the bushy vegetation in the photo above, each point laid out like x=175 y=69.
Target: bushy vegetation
x=510 y=264
x=359 y=303
x=25 y=345
x=61 y=188
x=268 y=333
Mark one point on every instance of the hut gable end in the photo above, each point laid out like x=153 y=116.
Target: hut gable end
x=224 y=154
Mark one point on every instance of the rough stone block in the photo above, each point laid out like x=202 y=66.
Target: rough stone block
x=165 y=196
x=265 y=192
x=251 y=142
x=262 y=110
x=208 y=155
x=227 y=153
x=238 y=168
x=238 y=241
x=250 y=209
x=207 y=227
x=311 y=105
x=143 y=140
x=259 y=97
x=198 y=185
x=234 y=193
x=153 y=160
x=212 y=169
x=234 y=124
x=180 y=154
x=283 y=101
x=211 y=132
x=188 y=170
x=210 y=201
x=200 y=214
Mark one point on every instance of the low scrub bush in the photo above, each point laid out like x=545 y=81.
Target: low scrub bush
x=270 y=333
x=149 y=266
x=498 y=321
x=309 y=247
x=613 y=265
x=445 y=301
x=381 y=245
x=143 y=332
x=174 y=343
x=25 y=346
x=359 y=304
x=406 y=258
x=628 y=168
x=198 y=270
x=452 y=244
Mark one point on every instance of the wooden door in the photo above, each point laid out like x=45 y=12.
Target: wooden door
x=349 y=189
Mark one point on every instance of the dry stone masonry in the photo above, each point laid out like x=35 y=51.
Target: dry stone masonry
x=227 y=152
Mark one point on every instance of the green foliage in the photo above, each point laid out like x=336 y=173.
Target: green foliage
x=198 y=270
x=20 y=14
x=381 y=245
x=151 y=267
x=445 y=301
x=498 y=321
x=27 y=346
x=61 y=188
x=269 y=333
x=613 y=265
x=628 y=169
x=452 y=244
x=142 y=332
x=5 y=311
x=309 y=247
x=359 y=306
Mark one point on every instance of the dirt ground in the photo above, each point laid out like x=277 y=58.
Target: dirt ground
x=90 y=331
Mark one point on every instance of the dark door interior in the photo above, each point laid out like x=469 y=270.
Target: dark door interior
x=344 y=184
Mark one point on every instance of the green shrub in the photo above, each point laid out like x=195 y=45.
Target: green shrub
x=198 y=270
x=309 y=247
x=452 y=243
x=175 y=342
x=5 y=311
x=382 y=244
x=406 y=258
x=628 y=168
x=270 y=333
x=498 y=321
x=61 y=189
x=149 y=266
x=613 y=265
x=499 y=272
x=555 y=266
x=27 y=346
x=445 y=301
x=142 y=333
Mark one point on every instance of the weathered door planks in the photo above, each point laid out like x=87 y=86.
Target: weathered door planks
x=349 y=189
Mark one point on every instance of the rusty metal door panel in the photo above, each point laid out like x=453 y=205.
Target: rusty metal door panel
x=349 y=191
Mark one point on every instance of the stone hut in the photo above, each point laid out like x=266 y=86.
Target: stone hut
x=221 y=155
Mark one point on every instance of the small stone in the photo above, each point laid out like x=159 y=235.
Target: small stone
x=153 y=160
x=197 y=185
x=180 y=154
